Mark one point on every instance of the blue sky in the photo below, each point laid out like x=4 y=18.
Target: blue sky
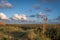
x=23 y=7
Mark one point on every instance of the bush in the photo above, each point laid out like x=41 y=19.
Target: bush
x=4 y=38
x=51 y=33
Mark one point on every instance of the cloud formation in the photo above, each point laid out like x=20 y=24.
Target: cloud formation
x=5 y=4
x=41 y=15
x=58 y=18
x=3 y=16
x=14 y=17
x=19 y=17
x=36 y=6
x=48 y=10
x=46 y=1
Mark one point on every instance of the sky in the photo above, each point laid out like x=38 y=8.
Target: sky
x=32 y=7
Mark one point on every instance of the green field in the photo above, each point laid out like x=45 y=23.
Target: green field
x=29 y=32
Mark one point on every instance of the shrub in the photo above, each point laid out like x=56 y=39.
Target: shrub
x=4 y=38
x=51 y=33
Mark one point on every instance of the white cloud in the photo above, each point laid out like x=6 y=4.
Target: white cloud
x=19 y=17
x=15 y=16
x=3 y=16
x=23 y=16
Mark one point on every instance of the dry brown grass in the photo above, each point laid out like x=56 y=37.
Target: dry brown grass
x=2 y=24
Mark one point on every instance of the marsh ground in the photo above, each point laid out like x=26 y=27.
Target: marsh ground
x=29 y=32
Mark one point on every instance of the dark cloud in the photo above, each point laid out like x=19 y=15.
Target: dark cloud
x=48 y=9
x=30 y=10
x=5 y=4
x=36 y=6
x=58 y=18
x=46 y=1
x=45 y=19
x=32 y=15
